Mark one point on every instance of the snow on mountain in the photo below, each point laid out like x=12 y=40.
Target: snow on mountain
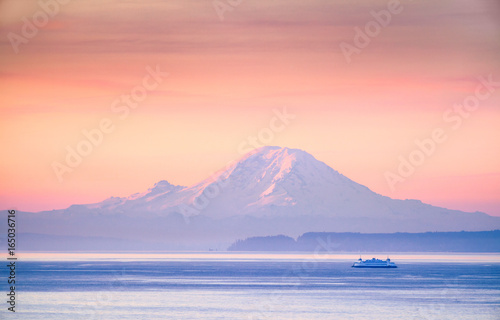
x=273 y=181
x=269 y=191
x=154 y=199
x=269 y=181
x=283 y=183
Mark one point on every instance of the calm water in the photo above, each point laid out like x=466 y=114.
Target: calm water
x=201 y=286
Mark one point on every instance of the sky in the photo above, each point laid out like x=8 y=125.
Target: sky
x=105 y=98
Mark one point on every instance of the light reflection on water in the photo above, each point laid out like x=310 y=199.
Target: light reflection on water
x=255 y=286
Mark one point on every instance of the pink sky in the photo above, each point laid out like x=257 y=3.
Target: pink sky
x=226 y=78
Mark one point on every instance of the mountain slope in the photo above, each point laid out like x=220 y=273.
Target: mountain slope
x=274 y=182
x=283 y=182
x=269 y=182
x=269 y=191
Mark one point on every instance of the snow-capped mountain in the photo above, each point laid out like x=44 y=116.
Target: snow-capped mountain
x=269 y=191
x=274 y=182
x=268 y=182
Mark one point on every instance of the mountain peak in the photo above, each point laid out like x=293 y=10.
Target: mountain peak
x=275 y=150
x=290 y=190
x=282 y=154
x=268 y=148
x=162 y=187
x=163 y=184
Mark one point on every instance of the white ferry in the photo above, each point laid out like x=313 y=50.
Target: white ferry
x=374 y=263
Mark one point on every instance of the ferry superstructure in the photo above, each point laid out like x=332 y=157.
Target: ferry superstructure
x=374 y=263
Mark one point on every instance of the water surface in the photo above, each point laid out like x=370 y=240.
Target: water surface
x=254 y=286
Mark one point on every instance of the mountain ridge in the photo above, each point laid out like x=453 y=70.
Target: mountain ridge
x=269 y=191
x=268 y=182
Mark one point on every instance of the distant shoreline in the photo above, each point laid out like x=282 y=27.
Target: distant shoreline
x=464 y=241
